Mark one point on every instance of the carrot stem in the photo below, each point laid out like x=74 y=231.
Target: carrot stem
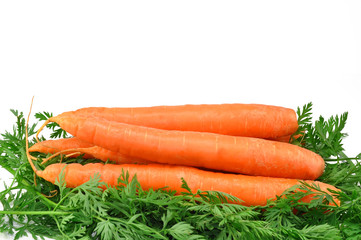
x=62 y=199
x=41 y=128
x=35 y=212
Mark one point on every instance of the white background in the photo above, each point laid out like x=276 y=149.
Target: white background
x=72 y=54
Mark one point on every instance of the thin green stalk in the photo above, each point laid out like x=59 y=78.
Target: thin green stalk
x=59 y=228
x=12 y=183
x=28 y=187
x=341 y=159
x=9 y=170
x=43 y=198
x=34 y=213
x=61 y=200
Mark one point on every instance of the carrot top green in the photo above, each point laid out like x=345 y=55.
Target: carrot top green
x=37 y=208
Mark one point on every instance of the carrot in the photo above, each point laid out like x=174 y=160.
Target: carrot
x=57 y=145
x=74 y=147
x=252 y=190
x=250 y=120
x=251 y=156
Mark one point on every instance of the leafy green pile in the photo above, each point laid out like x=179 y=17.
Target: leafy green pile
x=32 y=206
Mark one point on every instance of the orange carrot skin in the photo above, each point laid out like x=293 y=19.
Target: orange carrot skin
x=251 y=156
x=286 y=138
x=250 y=120
x=89 y=150
x=105 y=155
x=52 y=146
x=253 y=190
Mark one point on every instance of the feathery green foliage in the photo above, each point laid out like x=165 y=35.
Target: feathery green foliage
x=31 y=206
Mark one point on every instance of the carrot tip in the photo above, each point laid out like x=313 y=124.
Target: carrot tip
x=53 y=194
x=73 y=152
x=41 y=128
x=29 y=157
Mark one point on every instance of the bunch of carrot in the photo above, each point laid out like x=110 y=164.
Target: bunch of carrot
x=232 y=148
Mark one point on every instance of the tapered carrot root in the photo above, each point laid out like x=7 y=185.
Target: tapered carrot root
x=56 y=145
x=251 y=156
x=250 y=120
x=252 y=190
x=74 y=147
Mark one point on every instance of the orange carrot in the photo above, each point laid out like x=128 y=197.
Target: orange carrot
x=56 y=145
x=250 y=120
x=251 y=156
x=252 y=190
x=75 y=147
